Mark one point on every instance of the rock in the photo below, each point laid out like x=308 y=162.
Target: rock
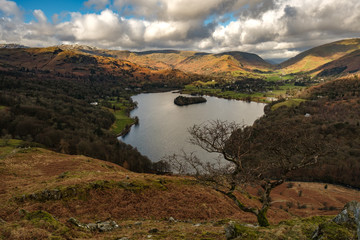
x=344 y=226
x=75 y=222
x=92 y=226
x=197 y=225
x=230 y=231
x=182 y=101
x=350 y=215
x=106 y=226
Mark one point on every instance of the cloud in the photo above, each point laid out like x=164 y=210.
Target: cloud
x=271 y=28
x=293 y=25
x=175 y=10
x=40 y=16
x=97 y=4
x=9 y=8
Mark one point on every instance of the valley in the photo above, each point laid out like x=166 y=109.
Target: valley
x=63 y=108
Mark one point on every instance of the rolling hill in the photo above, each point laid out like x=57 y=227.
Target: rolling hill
x=317 y=57
x=186 y=61
x=78 y=62
x=162 y=65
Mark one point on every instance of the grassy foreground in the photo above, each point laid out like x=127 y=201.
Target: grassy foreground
x=41 y=190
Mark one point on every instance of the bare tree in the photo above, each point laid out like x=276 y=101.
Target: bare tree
x=285 y=151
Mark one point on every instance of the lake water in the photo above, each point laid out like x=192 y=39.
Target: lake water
x=162 y=128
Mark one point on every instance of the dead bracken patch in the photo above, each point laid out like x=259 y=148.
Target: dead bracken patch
x=91 y=190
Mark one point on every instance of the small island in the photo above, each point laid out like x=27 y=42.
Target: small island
x=181 y=100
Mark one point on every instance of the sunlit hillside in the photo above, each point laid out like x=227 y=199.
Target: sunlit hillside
x=318 y=56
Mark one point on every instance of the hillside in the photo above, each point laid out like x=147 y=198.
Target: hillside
x=318 y=56
x=203 y=63
x=78 y=63
x=350 y=63
x=186 y=61
x=90 y=190
x=166 y=66
x=328 y=113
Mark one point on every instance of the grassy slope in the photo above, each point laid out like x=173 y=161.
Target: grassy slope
x=96 y=190
x=351 y=61
x=318 y=56
x=289 y=103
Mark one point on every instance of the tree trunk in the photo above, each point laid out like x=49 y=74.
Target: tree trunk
x=262 y=219
x=260 y=213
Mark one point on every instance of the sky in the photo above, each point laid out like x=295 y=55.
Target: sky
x=273 y=29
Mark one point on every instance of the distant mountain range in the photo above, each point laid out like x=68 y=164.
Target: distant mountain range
x=12 y=45
x=341 y=57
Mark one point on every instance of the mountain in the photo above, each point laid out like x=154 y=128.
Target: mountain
x=166 y=65
x=316 y=57
x=188 y=61
x=12 y=45
x=205 y=63
x=80 y=61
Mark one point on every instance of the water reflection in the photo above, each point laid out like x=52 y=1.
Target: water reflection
x=162 y=128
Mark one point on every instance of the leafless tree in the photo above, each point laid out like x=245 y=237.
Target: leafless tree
x=286 y=151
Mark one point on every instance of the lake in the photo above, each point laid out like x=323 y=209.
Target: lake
x=162 y=128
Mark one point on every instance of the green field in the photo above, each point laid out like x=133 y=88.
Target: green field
x=122 y=120
x=277 y=77
x=120 y=113
x=289 y=103
x=288 y=89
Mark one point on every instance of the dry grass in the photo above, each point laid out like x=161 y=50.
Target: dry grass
x=106 y=190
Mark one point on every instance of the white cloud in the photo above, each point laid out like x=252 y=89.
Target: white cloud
x=165 y=31
x=10 y=8
x=271 y=28
x=40 y=16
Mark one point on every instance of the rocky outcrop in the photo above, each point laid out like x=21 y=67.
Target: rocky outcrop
x=105 y=226
x=181 y=100
x=350 y=215
x=344 y=226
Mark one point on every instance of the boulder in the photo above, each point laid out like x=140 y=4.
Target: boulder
x=344 y=226
x=350 y=215
x=106 y=226
x=230 y=231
